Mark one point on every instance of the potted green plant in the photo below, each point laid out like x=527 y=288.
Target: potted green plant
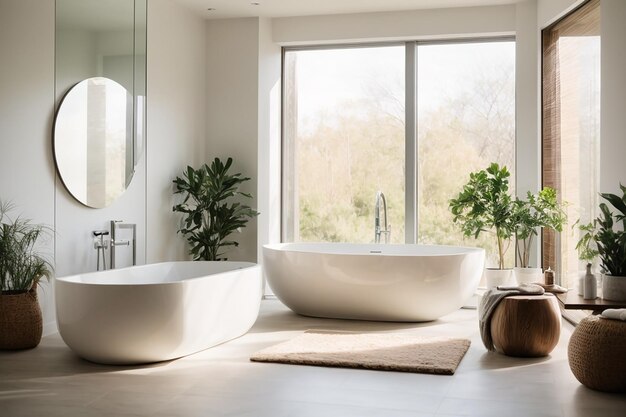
x=21 y=269
x=542 y=210
x=485 y=205
x=210 y=215
x=608 y=232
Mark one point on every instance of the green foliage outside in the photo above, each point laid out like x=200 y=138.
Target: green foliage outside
x=21 y=264
x=350 y=154
x=210 y=215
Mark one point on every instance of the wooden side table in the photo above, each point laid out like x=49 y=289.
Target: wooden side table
x=572 y=301
x=526 y=325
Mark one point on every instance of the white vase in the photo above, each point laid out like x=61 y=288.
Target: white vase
x=613 y=288
x=528 y=275
x=498 y=277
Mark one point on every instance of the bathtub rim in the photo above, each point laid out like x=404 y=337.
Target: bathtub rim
x=69 y=279
x=284 y=247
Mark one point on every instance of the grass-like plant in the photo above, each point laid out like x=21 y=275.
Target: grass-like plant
x=21 y=265
x=485 y=205
x=608 y=232
x=210 y=216
x=540 y=210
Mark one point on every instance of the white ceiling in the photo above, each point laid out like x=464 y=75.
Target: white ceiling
x=281 y=8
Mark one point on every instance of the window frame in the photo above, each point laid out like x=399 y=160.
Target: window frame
x=411 y=143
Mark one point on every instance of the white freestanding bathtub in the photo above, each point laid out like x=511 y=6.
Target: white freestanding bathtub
x=157 y=312
x=373 y=282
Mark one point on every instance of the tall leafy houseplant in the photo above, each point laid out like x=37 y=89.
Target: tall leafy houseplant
x=540 y=210
x=21 y=269
x=485 y=205
x=210 y=215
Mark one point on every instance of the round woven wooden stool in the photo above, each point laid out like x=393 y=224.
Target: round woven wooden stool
x=526 y=325
x=596 y=353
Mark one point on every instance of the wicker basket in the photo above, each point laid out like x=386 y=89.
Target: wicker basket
x=596 y=353
x=21 y=324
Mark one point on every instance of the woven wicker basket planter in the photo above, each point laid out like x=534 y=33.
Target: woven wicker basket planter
x=21 y=323
x=596 y=353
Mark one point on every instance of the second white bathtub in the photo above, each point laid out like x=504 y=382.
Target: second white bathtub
x=373 y=282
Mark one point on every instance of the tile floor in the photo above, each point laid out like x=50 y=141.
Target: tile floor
x=51 y=381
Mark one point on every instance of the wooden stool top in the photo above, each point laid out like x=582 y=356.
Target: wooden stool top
x=546 y=296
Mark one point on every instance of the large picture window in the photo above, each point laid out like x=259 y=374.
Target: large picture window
x=411 y=120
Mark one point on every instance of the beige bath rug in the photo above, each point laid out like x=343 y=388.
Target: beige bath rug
x=380 y=351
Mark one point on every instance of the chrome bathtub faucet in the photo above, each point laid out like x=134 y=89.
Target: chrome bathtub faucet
x=115 y=226
x=380 y=198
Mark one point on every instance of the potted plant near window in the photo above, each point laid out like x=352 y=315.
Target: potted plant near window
x=587 y=251
x=485 y=205
x=209 y=218
x=537 y=211
x=608 y=231
x=21 y=268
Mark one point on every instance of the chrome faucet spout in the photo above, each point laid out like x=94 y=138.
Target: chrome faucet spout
x=380 y=199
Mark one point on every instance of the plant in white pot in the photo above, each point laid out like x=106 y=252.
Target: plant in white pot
x=542 y=210
x=608 y=231
x=485 y=205
x=587 y=251
x=21 y=268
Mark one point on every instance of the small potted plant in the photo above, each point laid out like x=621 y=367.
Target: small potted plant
x=209 y=218
x=485 y=205
x=608 y=232
x=21 y=268
x=537 y=211
x=587 y=251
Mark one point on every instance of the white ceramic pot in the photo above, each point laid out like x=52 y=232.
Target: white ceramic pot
x=499 y=277
x=613 y=288
x=528 y=275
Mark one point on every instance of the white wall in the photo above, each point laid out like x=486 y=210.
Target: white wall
x=176 y=131
x=26 y=100
x=613 y=95
x=527 y=105
x=269 y=148
x=233 y=109
x=549 y=11
x=176 y=112
x=398 y=25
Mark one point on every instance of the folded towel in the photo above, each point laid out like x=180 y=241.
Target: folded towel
x=614 y=314
x=490 y=300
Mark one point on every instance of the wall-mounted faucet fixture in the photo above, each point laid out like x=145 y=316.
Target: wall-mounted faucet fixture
x=380 y=198
x=100 y=244
x=118 y=225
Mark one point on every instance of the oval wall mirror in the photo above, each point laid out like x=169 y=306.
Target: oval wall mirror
x=93 y=141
